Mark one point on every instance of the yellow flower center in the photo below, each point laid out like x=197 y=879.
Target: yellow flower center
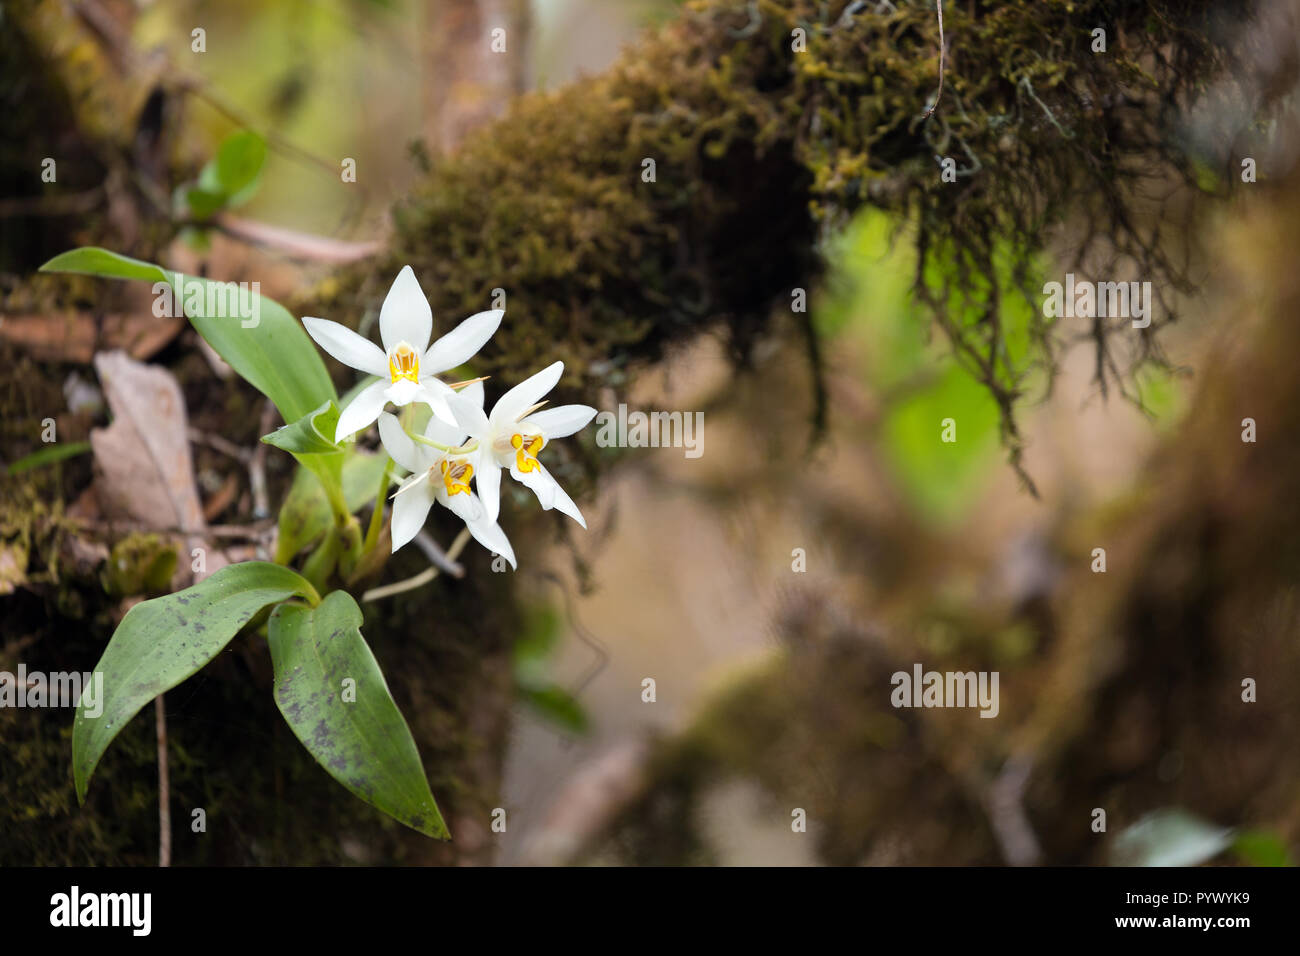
x=456 y=476
x=526 y=448
x=404 y=362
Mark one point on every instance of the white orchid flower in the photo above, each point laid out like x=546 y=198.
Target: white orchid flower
x=408 y=363
x=514 y=434
x=440 y=472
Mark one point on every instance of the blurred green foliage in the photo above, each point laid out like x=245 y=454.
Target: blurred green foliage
x=48 y=455
x=870 y=305
x=228 y=180
x=308 y=74
x=533 y=654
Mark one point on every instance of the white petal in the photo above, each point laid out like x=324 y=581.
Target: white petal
x=487 y=474
x=405 y=315
x=409 y=482
x=433 y=393
x=525 y=395
x=346 y=346
x=444 y=434
x=398 y=444
x=362 y=410
x=403 y=392
x=489 y=534
x=469 y=415
x=460 y=344
x=563 y=420
x=409 y=511
x=464 y=506
x=540 y=480
x=473 y=393
x=565 y=506
x=549 y=493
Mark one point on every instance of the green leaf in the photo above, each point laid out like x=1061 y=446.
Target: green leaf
x=200 y=203
x=306 y=515
x=361 y=473
x=229 y=179
x=558 y=706
x=57 y=451
x=354 y=731
x=161 y=642
x=313 y=434
x=93 y=261
x=238 y=165
x=310 y=440
x=273 y=353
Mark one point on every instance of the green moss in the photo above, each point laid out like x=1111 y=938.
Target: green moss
x=758 y=150
x=139 y=564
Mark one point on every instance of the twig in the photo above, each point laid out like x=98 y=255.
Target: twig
x=1010 y=823
x=942 y=57
x=257 y=465
x=433 y=551
x=424 y=577
x=597 y=646
x=164 y=786
x=254 y=460
x=1051 y=117
x=242 y=455
x=298 y=245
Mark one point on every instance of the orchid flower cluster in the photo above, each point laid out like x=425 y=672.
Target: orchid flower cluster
x=462 y=445
x=311 y=621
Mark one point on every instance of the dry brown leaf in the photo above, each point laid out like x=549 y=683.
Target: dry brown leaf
x=144 y=469
x=143 y=457
x=75 y=336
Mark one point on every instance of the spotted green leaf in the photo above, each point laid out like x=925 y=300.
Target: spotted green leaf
x=329 y=688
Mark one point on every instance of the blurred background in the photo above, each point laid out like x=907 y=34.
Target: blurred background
x=826 y=538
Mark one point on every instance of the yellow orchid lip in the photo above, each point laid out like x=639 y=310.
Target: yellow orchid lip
x=526 y=450
x=404 y=363
x=456 y=476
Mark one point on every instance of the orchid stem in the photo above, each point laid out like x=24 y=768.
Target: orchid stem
x=464 y=449
x=377 y=516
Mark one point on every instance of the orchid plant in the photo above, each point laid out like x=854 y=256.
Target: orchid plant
x=328 y=685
